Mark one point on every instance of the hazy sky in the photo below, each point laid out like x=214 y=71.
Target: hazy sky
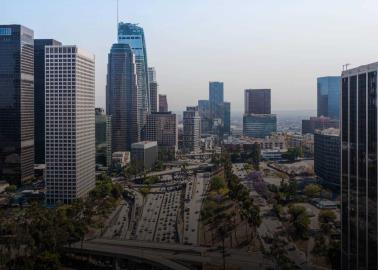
x=279 y=44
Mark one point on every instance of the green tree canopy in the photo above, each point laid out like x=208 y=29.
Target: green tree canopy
x=312 y=190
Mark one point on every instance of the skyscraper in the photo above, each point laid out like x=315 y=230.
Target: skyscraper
x=70 y=123
x=153 y=96
x=192 y=130
x=151 y=74
x=153 y=88
x=257 y=101
x=258 y=121
x=216 y=99
x=227 y=118
x=121 y=97
x=359 y=216
x=163 y=103
x=133 y=35
x=103 y=138
x=328 y=96
x=162 y=127
x=39 y=97
x=204 y=113
x=16 y=103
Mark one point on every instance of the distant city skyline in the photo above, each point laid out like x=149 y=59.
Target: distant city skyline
x=285 y=51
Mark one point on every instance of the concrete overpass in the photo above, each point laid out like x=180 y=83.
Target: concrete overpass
x=167 y=256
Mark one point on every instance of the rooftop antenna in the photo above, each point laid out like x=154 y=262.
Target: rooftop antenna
x=345 y=66
x=117 y=16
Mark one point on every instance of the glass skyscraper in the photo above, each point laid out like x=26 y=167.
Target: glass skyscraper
x=121 y=97
x=16 y=103
x=328 y=96
x=227 y=118
x=39 y=97
x=216 y=98
x=133 y=35
x=257 y=101
x=359 y=217
x=259 y=125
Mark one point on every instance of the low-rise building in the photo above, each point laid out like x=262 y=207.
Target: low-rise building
x=327 y=153
x=120 y=159
x=144 y=154
x=314 y=123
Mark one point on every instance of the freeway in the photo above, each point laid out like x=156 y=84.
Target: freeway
x=169 y=256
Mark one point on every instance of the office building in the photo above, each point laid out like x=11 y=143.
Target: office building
x=120 y=159
x=163 y=103
x=153 y=96
x=359 y=214
x=327 y=157
x=39 y=97
x=103 y=139
x=204 y=113
x=133 y=35
x=259 y=125
x=227 y=118
x=144 y=155
x=151 y=74
x=328 y=96
x=192 y=130
x=16 y=103
x=257 y=101
x=162 y=128
x=70 y=123
x=314 y=123
x=216 y=99
x=121 y=97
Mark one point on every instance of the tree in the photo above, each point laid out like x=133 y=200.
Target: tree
x=144 y=191
x=326 y=216
x=11 y=188
x=255 y=156
x=292 y=154
x=47 y=261
x=217 y=182
x=299 y=219
x=312 y=190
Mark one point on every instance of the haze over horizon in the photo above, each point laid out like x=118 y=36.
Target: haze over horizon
x=192 y=43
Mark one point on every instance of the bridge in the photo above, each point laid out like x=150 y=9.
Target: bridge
x=166 y=256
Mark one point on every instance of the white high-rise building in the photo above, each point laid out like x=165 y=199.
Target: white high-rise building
x=70 y=123
x=192 y=130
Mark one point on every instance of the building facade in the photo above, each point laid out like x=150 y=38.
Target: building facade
x=163 y=103
x=103 y=139
x=16 y=103
x=257 y=101
x=327 y=157
x=328 y=89
x=259 y=125
x=227 y=118
x=310 y=125
x=192 y=130
x=359 y=216
x=216 y=99
x=133 y=35
x=39 y=97
x=122 y=97
x=162 y=128
x=144 y=155
x=204 y=113
x=153 y=96
x=70 y=123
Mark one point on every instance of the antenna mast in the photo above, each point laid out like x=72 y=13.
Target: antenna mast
x=117 y=13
